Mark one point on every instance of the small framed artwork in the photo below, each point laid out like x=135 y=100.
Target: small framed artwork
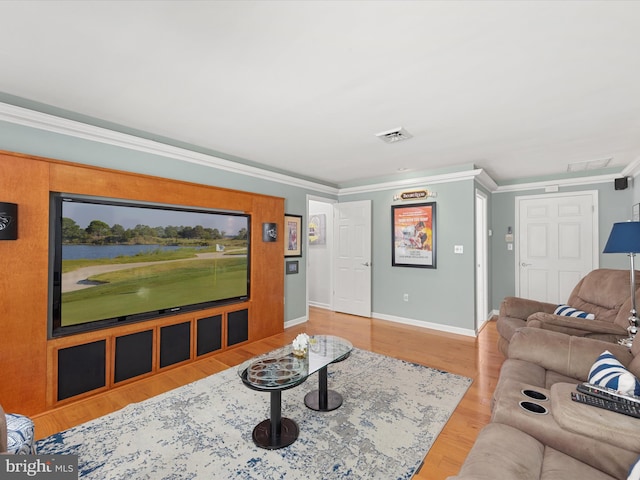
x=292 y=267
x=318 y=229
x=293 y=234
x=413 y=235
x=635 y=212
x=269 y=232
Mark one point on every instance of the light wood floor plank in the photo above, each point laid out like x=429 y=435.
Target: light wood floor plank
x=477 y=358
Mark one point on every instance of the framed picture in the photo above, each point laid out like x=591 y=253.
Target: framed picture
x=413 y=235
x=318 y=229
x=269 y=232
x=635 y=212
x=292 y=235
x=292 y=267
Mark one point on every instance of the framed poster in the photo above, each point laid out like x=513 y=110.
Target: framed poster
x=413 y=232
x=292 y=235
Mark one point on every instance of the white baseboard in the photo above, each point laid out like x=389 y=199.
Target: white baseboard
x=405 y=321
x=324 y=306
x=420 y=323
x=482 y=324
x=295 y=321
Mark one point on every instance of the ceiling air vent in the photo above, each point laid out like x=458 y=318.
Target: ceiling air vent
x=395 y=135
x=588 y=165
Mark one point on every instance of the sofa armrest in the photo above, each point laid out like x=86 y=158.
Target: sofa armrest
x=517 y=307
x=602 y=425
x=565 y=354
x=572 y=325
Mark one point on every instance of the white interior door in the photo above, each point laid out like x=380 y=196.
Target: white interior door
x=352 y=258
x=557 y=244
x=482 y=275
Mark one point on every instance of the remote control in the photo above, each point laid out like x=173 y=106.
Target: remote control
x=607 y=393
x=632 y=410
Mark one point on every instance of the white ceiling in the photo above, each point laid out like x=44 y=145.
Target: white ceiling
x=517 y=88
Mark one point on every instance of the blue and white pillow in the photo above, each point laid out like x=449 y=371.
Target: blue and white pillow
x=607 y=371
x=567 y=311
x=634 y=471
x=20 y=430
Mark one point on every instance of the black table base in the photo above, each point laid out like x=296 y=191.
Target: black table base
x=276 y=431
x=323 y=399
x=315 y=401
x=263 y=438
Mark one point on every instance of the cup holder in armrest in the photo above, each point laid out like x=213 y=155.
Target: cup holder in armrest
x=535 y=395
x=534 y=408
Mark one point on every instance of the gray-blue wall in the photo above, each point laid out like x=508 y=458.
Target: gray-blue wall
x=444 y=295
x=614 y=206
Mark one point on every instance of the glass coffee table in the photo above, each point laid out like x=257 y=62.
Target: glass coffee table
x=281 y=370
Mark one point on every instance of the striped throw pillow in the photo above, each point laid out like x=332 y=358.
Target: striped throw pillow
x=607 y=371
x=567 y=311
x=634 y=471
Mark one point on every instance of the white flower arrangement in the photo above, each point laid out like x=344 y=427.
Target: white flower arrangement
x=300 y=345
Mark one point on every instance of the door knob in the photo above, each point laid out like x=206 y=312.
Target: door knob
x=525 y=264
x=366 y=264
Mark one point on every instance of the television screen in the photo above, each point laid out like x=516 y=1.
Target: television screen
x=116 y=261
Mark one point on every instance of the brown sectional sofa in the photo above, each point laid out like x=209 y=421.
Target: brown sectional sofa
x=567 y=440
x=606 y=293
x=502 y=452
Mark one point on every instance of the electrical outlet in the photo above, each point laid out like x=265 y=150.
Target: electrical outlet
x=405 y=297
x=458 y=249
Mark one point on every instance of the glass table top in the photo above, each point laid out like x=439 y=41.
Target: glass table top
x=281 y=369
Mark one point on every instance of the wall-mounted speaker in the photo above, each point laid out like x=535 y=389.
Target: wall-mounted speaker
x=8 y=221
x=621 y=183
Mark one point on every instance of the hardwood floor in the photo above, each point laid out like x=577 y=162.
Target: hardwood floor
x=477 y=358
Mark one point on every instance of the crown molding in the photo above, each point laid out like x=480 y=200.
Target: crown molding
x=71 y=128
x=565 y=182
x=633 y=169
x=486 y=181
x=477 y=174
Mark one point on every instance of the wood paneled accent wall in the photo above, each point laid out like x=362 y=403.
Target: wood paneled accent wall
x=27 y=383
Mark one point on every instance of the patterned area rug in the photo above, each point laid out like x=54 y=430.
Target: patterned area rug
x=392 y=413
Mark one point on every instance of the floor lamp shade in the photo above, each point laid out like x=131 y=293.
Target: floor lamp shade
x=8 y=221
x=624 y=238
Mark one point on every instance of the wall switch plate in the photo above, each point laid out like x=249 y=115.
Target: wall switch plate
x=509 y=246
x=405 y=297
x=458 y=249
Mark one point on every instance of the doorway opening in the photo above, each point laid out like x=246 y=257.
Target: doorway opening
x=320 y=252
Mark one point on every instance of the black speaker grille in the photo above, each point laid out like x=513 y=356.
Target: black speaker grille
x=175 y=343
x=237 y=327
x=81 y=369
x=209 y=335
x=134 y=355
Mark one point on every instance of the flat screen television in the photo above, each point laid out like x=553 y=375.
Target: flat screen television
x=116 y=261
